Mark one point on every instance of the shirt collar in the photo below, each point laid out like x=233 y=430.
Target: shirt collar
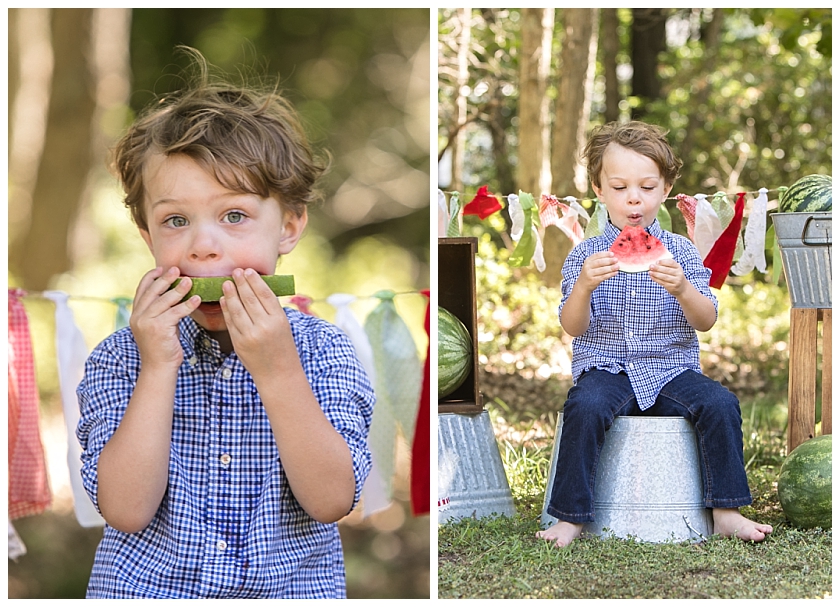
x=195 y=339
x=612 y=232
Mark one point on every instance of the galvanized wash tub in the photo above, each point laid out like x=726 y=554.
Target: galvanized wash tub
x=471 y=476
x=805 y=244
x=648 y=484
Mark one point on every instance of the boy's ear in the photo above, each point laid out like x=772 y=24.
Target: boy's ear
x=668 y=188
x=293 y=226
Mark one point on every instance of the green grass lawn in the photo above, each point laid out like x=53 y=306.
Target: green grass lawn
x=502 y=558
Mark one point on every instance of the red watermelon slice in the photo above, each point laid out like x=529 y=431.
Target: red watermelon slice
x=636 y=250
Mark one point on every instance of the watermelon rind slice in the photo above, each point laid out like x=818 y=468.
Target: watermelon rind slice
x=210 y=287
x=636 y=250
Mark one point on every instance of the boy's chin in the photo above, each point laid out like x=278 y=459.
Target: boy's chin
x=209 y=316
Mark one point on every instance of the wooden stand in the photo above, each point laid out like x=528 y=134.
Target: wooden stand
x=456 y=293
x=802 y=388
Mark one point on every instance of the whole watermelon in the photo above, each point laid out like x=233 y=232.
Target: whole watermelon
x=454 y=352
x=811 y=194
x=805 y=484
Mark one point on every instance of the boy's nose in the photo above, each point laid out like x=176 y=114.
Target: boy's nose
x=204 y=246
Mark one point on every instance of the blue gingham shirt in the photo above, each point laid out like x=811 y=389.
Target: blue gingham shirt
x=636 y=326
x=228 y=525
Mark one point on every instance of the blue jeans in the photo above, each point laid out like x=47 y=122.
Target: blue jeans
x=599 y=396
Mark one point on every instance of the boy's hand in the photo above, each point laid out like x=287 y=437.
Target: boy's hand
x=257 y=325
x=596 y=269
x=669 y=274
x=155 y=315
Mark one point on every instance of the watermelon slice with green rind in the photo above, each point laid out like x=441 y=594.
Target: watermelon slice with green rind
x=210 y=287
x=636 y=250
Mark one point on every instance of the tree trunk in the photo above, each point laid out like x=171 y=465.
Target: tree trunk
x=647 y=41
x=695 y=120
x=459 y=143
x=534 y=168
x=609 y=54
x=574 y=101
x=63 y=170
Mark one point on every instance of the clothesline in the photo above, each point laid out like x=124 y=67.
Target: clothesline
x=713 y=223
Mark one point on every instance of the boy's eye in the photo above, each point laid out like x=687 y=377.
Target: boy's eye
x=235 y=217
x=175 y=222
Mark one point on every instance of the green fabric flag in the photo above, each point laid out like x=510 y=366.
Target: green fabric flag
x=597 y=221
x=527 y=244
x=398 y=381
x=453 y=230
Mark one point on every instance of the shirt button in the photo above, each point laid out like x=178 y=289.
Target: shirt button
x=206 y=342
x=226 y=373
x=193 y=360
x=633 y=293
x=225 y=459
x=221 y=545
x=630 y=365
x=630 y=334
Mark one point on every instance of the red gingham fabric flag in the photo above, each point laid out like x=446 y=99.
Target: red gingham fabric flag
x=29 y=488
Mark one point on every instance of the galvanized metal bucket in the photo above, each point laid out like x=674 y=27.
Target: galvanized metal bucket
x=805 y=244
x=471 y=476
x=649 y=483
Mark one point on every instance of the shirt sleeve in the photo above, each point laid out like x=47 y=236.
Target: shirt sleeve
x=103 y=395
x=571 y=271
x=344 y=393
x=695 y=272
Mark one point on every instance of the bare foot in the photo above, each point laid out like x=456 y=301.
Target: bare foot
x=730 y=522
x=561 y=533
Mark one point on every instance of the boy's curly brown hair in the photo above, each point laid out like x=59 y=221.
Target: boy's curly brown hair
x=646 y=139
x=251 y=140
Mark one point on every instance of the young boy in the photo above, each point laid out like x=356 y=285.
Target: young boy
x=635 y=350
x=221 y=441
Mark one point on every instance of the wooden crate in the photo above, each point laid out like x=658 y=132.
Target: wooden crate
x=456 y=293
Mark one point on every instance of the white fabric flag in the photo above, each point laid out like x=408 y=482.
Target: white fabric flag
x=346 y=321
x=707 y=226
x=754 y=233
x=72 y=352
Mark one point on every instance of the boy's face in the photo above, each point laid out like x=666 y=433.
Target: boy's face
x=204 y=229
x=632 y=188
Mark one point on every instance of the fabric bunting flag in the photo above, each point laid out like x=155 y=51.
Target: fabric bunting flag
x=398 y=382
x=719 y=258
x=688 y=207
x=123 y=315
x=707 y=227
x=72 y=353
x=567 y=220
x=443 y=214
x=421 y=492
x=302 y=303
x=453 y=230
x=29 y=488
x=483 y=204
x=754 y=238
x=346 y=321
x=523 y=231
x=596 y=224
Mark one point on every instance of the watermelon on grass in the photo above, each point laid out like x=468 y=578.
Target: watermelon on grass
x=811 y=194
x=454 y=352
x=804 y=485
x=635 y=250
